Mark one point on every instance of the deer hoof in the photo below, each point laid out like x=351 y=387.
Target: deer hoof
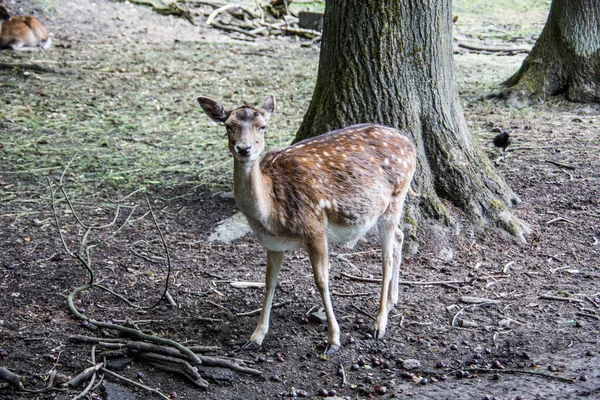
x=378 y=334
x=331 y=348
x=251 y=346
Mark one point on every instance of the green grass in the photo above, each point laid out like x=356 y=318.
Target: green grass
x=517 y=18
x=132 y=116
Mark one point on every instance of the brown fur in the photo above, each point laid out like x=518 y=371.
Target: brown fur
x=22 y=33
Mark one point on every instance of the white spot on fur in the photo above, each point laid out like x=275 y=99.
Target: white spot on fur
x=386 y=162
x=384 y=144
x=326 y=154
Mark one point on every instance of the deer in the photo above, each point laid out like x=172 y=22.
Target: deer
x=332 y=188
x=22 y=33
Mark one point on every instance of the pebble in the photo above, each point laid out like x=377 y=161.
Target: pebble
x=411 y=364
x=275 y=378
x=323 y=392
x=380 y=390
x=583 y=377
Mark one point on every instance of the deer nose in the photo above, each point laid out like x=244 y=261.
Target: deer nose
x=243 y=150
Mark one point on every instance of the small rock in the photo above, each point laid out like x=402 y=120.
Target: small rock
x=380 y=390
x=423 y=381
x=355 y=367
x=302 y=393
x=318 y=316
x=323 y=392
x=410 y=364
x=275 y=378
x=583 y=377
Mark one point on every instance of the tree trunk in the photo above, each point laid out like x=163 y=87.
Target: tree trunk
x=390 y=62
x=566 y=58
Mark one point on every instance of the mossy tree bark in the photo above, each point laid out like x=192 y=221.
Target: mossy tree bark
x=566 y=58
x=390 y=62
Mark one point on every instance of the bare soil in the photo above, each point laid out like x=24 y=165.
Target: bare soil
x=520 y=345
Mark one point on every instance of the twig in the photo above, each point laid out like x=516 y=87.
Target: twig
x=149 y=389
x=593 y=316
x=424 y=283
x=558 y=298
x=234 y=29
x=362 y=312
x=559 y=219
x=456 y=316
x=520 y=371
x=353 y=294
x=211 y=18
x=307 y=33
x=170 y=299
x=258 y=310
x=344 y=377
x=567 y=166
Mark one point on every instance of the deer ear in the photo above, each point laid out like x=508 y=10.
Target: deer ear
x=269 y=105
x=213 y=109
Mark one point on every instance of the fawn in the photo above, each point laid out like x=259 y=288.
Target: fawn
x=22 y=33
x=328 y=189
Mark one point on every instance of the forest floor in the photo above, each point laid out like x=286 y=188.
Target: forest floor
x=116 y=95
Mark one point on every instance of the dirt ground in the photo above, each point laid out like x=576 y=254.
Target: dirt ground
x=517 y=346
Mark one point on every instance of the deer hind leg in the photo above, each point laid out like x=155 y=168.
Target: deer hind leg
x=394 y=286
x=274 y=260
x=319 y=258
x=386 y=227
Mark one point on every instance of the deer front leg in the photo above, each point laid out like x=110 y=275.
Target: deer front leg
x=319 y=258
x=274 y=260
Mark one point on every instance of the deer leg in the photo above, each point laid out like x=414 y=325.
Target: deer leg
x=274 y=260
x=394 y=289
x=319 y=258
x=386 y=231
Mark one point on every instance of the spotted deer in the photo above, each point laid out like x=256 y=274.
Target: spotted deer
x=22 y=33
x=329 y=189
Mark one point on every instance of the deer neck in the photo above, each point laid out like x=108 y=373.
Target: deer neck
x=252 y=189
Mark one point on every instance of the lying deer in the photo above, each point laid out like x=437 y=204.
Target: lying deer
x=331 y=188
x=22 y=33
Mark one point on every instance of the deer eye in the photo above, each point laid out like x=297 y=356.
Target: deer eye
x=263 y=128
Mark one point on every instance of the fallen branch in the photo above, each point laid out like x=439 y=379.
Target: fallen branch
x=513 y=50
x=11 y=378
x=175 y=365
x=82 y=376
x=226 y=7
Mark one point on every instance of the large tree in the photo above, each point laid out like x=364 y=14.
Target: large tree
x=391 y=62
x=566 y=58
